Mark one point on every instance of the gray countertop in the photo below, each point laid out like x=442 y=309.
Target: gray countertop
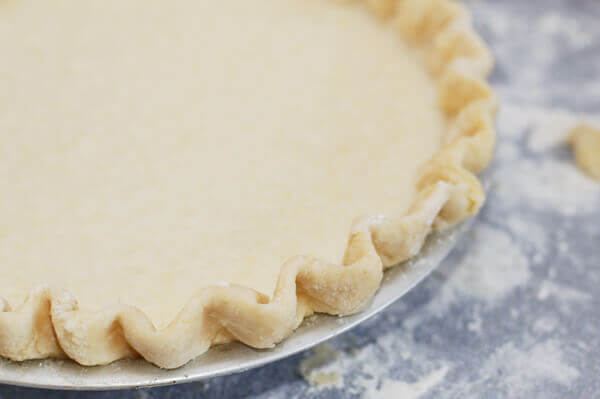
x=513 y=312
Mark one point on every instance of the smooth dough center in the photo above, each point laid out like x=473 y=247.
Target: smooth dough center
x=150 y=148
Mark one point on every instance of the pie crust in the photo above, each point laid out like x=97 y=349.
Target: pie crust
x=50 y=323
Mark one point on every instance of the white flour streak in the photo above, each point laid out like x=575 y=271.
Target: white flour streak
x=553 y=23
x=519 y=371
x=545 y=324
x=512 y=123
x=492 y=267
x=549 y=185
x=543 y=183
x=561 y=293
x=476 y=324
x=405 y=390
x=528 y=232
x=548 y=127
x=365 y=371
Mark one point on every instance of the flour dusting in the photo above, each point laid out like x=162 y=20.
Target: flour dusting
x=319 y=369
x=526 y=232
x=550 y=127
x=492 y=266
x=550 y=185
x=553 y=23
x=546 y=127
x=367 y=371
x=545 y=324
x=519 y=371
x=541 y=181
x=551 y=289
x=405 y=390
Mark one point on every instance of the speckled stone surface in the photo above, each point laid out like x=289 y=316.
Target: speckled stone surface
x=513 y=312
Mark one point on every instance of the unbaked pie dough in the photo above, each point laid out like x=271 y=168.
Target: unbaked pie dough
x=178 y=174
x=585 y=141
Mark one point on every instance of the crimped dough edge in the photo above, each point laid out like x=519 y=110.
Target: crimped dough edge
x=50 y=324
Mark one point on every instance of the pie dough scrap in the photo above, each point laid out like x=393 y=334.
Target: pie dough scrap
x=585 y=141
x=51 y=323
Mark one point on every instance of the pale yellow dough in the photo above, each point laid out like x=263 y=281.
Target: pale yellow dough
x=585 y=141
x=197 y=142
x=179 y=174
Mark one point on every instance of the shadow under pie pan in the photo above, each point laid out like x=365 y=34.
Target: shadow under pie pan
x=234 y=357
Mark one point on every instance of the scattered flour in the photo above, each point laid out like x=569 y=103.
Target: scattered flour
x=561 y=292
x=553 y=23
x=500 y=25
x=548 y=127
x=544 y=128
x=551 y=185
x=507 y=153
x=325 y=379
x=511 y=124
x=512 y=370
x=368 y=372
x=540 y=181
x=320 y=369
x=476 y=324
x=493 y=266
x=545 y=324
x=519 y=371
x=525 y=231
x=404 y=390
